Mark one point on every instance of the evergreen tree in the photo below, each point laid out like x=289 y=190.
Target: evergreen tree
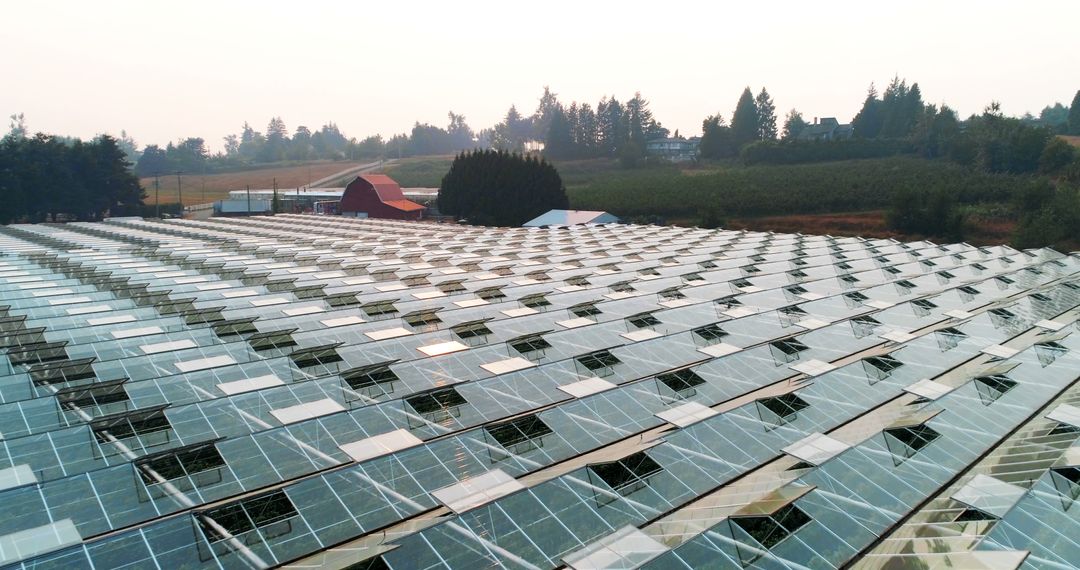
x=717 y=140
x=867 y=124
x=745 y=127
x=793 y=125
x=766 y=112
x=1074 y=115
x=558 y=142
x=490 y=187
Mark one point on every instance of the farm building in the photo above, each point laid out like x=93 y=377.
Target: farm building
x=378 y=196
x=332 y=392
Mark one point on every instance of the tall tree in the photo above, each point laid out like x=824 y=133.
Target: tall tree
x=766 y=111
x=793 y=125
x=717 y=140
x=867 y=124
x=541 y=119
x=745 y=126
x=559 y=141
x=491 y=187
x=1074 y=115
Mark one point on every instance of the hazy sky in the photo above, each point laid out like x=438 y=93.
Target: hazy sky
x=164 y=71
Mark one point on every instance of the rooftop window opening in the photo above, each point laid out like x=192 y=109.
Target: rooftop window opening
x=473 y=333
x=342 y=300
x=38 y=353
x=585 y=310
x=971 y=514
x=946 y=275
x=707 y=264
x=904 y=286
x=991 y=388
x=757 y=258
x=709 y=334
x=538 y=275
x=794 y=290
x=692 y=277
x=536 y=301
x=64 y=373
x=928 y=262
x=271 y=340
x=518 y=436
x=750 y=269
x=780 y=410
x=1072 y=285
x=791 y=314
x=975 y=266
x=1033 y=270
x=533 y=347
x=249 y=521
x=187 y=468
x=369 y=382
x=967 y=292
x=785 y=351
x=235 y=327
x=318 y=356
x=1041 y=298
x=922 y=307
x=309 y=292
x=878 y=368
x=423 y=320
x=843 y=265
x=891 y=270
x=904 y=442
x=1066 y=481
x=1049 y=351
x=949 y=338
x=648 y=271
x=643 y=320
x=797 y=274
x=380 y=309
x=97 y=399
x=577 y=281
x=490 y=294
x=625 y=476
x=728 y=302
x=670 y=294
x=765 y=531
x=621 y=287
x=848 y=279
x=855 y=299
x=799 y=261
x=452 y=287
x=864 y=326
x=681 y=384
x=600 y=363
x=140 y=430
x=439 y=406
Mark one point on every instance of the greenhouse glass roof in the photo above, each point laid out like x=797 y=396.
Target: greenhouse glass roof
x=318 y=391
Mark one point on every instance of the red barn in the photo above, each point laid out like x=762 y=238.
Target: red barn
x=378 y=196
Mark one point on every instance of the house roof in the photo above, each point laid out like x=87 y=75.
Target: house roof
x=403 y=205
x=570 y=218
x=384 y=186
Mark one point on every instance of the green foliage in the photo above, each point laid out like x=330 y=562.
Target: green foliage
x=490 y=187
x=793 y=125
x=1074 y=115
x=745 y=123
x=44 y=176
x=800 y=152
x=711 y=217
x=1056 y=155
x=1055 y=222
x=717 y=140
x=419 y=172
x=766 y=112
x=858 y=185
x=928 y=211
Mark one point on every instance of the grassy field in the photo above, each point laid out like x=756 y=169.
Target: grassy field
x=199 y=189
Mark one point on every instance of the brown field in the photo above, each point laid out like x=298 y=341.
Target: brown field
x=199 y=189
x=1073 y=140
x=865 y=224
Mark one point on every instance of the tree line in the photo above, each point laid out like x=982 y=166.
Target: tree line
x=49 y=178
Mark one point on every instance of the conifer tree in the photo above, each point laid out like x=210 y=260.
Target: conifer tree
x=766 y=111
x=744 y=123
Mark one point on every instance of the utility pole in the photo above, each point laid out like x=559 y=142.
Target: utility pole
x=249 y=199
x=157 y=196
x=180 y=192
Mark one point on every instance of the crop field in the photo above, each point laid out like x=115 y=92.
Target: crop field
x=199 y=189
